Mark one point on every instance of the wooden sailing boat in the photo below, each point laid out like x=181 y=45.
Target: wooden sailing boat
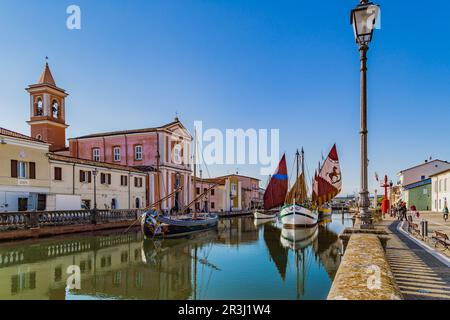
x=297 y=211
x=155 y=224
x=275 y=193
x=327 y=183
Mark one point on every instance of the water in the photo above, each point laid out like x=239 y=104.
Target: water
x=239 y=261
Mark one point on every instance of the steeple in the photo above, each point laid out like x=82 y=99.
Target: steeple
x=48 y=111
x=47 y=77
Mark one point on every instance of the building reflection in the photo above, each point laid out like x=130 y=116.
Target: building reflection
x=237 y=231
x=120 y=266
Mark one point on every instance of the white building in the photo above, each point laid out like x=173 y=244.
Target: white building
x=440 y=184
x=415 y=182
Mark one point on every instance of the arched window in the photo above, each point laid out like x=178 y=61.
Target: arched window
x=55 y=109
x=39 y=108
x=39 y=137
x=138 y=203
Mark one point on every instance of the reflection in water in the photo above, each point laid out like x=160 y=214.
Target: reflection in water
x=238 y=261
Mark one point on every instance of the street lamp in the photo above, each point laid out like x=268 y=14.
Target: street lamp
x=363 y=19
x=94 y=214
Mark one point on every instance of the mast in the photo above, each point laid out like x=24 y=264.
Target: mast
x=297 y=157
x=303 y=177
x=158 y=159
x=194 y=181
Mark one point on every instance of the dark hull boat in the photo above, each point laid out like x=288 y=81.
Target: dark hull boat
x=172 y=227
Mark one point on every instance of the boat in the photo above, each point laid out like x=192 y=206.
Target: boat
x=275 y=193
x=327 y=184
x=297 y=212
x=156 y=224
x=264 y=215
x=299 y=238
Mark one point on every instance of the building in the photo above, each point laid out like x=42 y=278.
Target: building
x=117 y=186
x=170 y=145
x=228 y=193
x=24 y=172
x=415 y=183
x=48 y=111
x=440 y=192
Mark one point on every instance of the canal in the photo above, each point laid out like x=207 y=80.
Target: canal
x=241 y=260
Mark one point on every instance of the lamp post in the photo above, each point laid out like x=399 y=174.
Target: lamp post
x=363 y=19
x=94 y=214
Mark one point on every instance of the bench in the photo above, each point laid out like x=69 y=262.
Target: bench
x=442 y=238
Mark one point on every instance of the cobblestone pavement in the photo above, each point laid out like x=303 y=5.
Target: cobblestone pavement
x=418 y=273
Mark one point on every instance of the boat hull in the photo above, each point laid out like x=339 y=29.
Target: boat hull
x=171 y=227
x=264 y=215
x=294 y=216
x=298 y=238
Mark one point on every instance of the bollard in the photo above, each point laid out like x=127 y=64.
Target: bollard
x=424 y=228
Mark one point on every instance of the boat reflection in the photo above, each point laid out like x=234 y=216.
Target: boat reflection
x=299 y=238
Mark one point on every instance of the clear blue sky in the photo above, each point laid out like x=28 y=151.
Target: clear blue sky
x=282 y=64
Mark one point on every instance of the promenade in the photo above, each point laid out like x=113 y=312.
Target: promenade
x=421 y=271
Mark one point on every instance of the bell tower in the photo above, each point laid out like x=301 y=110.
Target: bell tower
x=47 y=111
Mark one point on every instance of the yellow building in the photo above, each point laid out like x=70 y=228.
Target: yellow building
x=24 y=172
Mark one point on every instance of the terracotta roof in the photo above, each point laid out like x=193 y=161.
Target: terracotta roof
x=13 y=134
x=123 y=132
x=58 y=157
x=47 y=77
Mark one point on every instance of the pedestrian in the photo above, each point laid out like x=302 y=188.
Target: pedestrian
x=445 y=211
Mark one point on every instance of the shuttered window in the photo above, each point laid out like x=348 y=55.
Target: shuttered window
x=124 y=181
x=138 y=182
x=14 y=169
x=32 y=166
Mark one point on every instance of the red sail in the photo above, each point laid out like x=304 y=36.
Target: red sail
x=278 y=187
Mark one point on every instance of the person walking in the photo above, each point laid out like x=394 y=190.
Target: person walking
x=445 y=211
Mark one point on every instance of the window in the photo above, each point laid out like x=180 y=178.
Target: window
x=55 y=109
x=177 y=154
x=39 y=108
x=138 y=182
x=213 y=192
x=205 y=190
x=213 y=205
x=96 y=154
x=440 y=185
x=198 y=190
x=58 y=174
x=138 y=203
x=123 y=181
x=138 y=153
x=422 y=178
x=23 y=170
x=85 y=176
x=445 y=185
x=116 y=152
x=105 y=178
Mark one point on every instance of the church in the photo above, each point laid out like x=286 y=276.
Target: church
x=135 y=154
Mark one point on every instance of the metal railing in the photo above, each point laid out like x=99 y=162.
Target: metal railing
x=28 y=219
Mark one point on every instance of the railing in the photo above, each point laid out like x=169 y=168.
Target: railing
x=27 y=220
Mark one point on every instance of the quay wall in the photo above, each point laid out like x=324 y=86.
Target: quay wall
x=364 y=273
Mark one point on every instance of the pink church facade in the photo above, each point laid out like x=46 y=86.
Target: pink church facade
x=140 y=148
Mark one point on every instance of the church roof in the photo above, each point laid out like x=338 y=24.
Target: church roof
x=124 y=132
x=47 y=77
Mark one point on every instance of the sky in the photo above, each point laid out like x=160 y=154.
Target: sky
x=287 y=64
